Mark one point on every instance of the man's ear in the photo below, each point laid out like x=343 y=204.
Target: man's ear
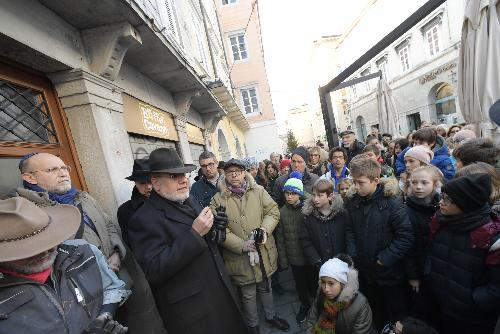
x=28 y=177
x=376 y=180
x=330 y=197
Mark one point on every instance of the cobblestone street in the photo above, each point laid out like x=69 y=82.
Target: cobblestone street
x=286 y=306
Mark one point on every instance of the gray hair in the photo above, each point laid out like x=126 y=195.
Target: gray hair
x=207 y=155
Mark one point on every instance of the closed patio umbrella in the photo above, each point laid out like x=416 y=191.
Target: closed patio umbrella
x=387 y=112
x=479 y=68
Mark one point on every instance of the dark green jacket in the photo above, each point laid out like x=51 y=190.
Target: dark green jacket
x=289 y=247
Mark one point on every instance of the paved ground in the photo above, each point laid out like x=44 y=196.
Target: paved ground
x=286 y=307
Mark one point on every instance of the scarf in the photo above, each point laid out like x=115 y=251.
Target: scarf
x=461 y=223
x=327 y=321
x=40 y=277
x=238 y=191
x=66 y=198
x=428 y=205
x=343 y=175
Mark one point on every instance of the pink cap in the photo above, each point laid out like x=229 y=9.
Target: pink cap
x=421 y=153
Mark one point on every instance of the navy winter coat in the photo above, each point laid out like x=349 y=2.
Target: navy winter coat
x=465 y=271
x=378 y=228
x=441 y=159
x=203 y=191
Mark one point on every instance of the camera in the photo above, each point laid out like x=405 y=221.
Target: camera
x=258 y=235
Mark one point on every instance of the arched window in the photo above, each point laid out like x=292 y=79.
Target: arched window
x=360 y=128
x=445 y=103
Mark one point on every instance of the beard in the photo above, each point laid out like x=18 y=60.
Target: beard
x=176 y=197
x=33 y=265
x=60 y=189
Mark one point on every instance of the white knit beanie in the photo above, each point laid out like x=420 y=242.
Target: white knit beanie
x=336 y=269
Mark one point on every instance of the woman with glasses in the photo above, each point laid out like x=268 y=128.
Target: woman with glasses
x=465 y=257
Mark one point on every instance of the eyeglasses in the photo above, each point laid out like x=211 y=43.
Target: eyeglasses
x=337 y=157
x=175 y=176
x=236 y=172
x=209 y=165
x=446 y=199
x=53 y=170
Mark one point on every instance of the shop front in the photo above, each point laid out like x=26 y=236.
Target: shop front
x=196 y=142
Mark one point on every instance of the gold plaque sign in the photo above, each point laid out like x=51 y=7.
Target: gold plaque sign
x=194 y=134
x=145 y=119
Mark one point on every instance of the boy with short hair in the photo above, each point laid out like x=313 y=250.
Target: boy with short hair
x=480 y=149
x=374 y=153
x=289 y=247
x=428 y=137
x=378 y=236
x=322 y=233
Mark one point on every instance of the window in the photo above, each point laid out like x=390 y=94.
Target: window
x=382 y=67
x=238 y=47
x=250 y=101
x=229 y=2
x=404 y=55
x=432 y=37
x=367 y=85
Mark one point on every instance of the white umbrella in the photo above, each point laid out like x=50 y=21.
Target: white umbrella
x=479 y=70
x=387 y=111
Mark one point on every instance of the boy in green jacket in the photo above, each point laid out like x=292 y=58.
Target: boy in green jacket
x=289 y=247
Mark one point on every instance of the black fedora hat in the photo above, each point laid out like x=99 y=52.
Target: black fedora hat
x=140 y=172
x=166 y=160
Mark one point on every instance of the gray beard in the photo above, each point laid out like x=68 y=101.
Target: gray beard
x=176 y=197
x=32 y=267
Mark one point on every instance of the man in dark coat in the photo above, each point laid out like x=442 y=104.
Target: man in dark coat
x=351 y=144
x=300 y=157
x=142 y=189
x=206 y=187
x=169 y=235
x=139 y=313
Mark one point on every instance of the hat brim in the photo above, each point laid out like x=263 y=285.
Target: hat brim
x=178 y=170
x=139 y=178
x=226 y=166
x=65 y=221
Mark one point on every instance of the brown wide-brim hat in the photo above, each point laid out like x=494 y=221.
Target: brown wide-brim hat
x=166 y=160
x=27 y=230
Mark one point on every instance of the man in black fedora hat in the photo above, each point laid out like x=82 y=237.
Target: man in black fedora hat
x=142 y=189
x=169 y=235
x=49 y=284
x=139 y=313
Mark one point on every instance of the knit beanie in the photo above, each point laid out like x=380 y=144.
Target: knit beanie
x=470 y=192
x=285 y=163
x=421 y=153
x=294 y=183
x=303 y=152
x=336 y=269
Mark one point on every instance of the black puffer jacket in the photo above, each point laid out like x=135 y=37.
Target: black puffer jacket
x=378 y=228
x=465 y=267
x=322 y=237
x=420 y=212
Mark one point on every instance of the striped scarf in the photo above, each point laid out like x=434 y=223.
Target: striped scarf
x=327 y=321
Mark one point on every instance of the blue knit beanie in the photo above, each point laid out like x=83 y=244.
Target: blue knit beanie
x=294 y=183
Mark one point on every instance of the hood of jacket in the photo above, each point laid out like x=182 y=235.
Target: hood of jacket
x=224 y=190
x=351 y=288
x=336 y=206
x=390 y=185
x=440 y=149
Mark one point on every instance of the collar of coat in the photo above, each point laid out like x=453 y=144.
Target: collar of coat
x=170 y=211
x=42 y=198
x=351 y=288
x=336 y=206
x=224 y=190
x=137 y=199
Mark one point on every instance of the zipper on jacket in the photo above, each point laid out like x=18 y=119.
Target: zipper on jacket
x=79 y=295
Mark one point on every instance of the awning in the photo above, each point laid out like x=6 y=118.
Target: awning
x=229 y=104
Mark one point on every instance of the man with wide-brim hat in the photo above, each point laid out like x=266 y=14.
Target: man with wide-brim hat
x=142 y=189
x=36 y=257
x=139 y=313
x=170 y=238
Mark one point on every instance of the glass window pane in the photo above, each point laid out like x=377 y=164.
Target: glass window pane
x=24 y=115
x=243 y=55
x=248 y=110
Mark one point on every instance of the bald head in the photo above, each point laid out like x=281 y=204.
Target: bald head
x=48 y=172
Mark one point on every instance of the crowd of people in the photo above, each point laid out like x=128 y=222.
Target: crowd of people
x=382 y=235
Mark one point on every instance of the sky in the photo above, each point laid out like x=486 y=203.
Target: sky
x=289 y=28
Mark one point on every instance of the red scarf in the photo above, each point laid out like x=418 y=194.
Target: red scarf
x=40 y=277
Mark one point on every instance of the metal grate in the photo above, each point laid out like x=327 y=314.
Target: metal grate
x=24 y=115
